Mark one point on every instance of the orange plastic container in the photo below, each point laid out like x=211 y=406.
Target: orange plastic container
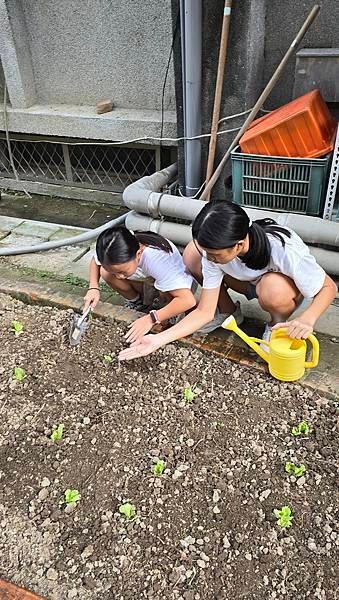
x=302 y=128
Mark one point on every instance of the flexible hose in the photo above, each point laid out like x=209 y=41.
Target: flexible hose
x=44 y=246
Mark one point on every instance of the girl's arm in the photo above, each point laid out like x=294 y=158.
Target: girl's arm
x=204 y=313
x=182 y=300
x=302 y=326
x=93 y=294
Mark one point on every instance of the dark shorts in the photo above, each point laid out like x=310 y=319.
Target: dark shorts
x=251 y=292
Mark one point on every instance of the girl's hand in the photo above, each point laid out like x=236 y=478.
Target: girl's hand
x=297 y=328
x=141 y=347
x=139 y=328
x=92 y=297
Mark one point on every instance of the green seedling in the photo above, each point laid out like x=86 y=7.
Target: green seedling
x=292 y=469
x=57 y=433
x=19 y=374
x=108 y=358
x=189 y=394
x=301 y=429
x=284 y=516
x=217 y=424
x=72 y=497
x=17 y=327
x=128 y=510
x=159 y=467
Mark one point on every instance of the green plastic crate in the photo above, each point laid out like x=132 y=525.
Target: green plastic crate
x=279 y=183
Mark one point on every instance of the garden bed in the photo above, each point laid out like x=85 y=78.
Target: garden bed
x=204 y=529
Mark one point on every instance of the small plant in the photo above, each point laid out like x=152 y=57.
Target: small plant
x=108 y=358
x=57 y=433
x=19 y=374
x=17 y=327
x=292 y=469
x=159 y=467
x=75 y=281
x=301 y=429
x=128 y=510
x=218 y=424
x=189 y=394
x=284 y=516
x=72 y=497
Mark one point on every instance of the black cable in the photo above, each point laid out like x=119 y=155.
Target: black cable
x=166 y=75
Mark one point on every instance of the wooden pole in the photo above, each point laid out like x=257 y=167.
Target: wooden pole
x=259 y=103
x=218 y=90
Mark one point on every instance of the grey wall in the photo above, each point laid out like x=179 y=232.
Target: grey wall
x=85 y=50
x=283 y=19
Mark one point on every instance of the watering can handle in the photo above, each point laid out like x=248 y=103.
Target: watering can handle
x=315 y=350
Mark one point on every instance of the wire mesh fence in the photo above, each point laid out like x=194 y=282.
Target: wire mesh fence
x=95 y=166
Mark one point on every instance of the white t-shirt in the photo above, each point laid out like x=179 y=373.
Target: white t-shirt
x=167 y=269
x=293 y=260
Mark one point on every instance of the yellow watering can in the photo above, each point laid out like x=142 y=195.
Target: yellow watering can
x=286 y=357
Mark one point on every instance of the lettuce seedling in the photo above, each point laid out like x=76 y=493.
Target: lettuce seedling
x=189 y=394
x=159 y=467
x=292 y=469
x=108 y=358
x=57 y=433
x=301 y=429
x=17 y=327
x=19 y=374
x=284 y=516
x=72 y=497
x=128 y=510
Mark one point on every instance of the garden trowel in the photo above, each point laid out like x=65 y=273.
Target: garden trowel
x=78 y=327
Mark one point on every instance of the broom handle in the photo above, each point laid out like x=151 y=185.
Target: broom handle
x=218 y=90
x=259 y=103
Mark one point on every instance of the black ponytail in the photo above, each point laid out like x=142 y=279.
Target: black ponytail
x=118 y=245
x=223 y=224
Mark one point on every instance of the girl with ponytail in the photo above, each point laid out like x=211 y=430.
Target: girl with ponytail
x=259 y=260
x=126 y=260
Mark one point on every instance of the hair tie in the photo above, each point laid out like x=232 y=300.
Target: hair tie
x=249 y=223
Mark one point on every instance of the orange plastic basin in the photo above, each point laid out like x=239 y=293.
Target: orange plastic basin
x=302 y=128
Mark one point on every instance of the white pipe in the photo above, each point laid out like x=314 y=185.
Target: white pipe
x=182 y=234
x=143 y=196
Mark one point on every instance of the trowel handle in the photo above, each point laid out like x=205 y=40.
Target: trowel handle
x=315 y=352
x=84 y=315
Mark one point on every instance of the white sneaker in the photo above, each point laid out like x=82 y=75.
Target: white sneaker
x=220 y=318
x=266 y=336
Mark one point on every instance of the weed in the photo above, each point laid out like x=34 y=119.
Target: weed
x=128 y=510
x=284 y=516
x=57 y=433
x=17 y=327
x=19 y=374
x=159 y=467
x=300 y=429
x=189 y=394
x=76 y=281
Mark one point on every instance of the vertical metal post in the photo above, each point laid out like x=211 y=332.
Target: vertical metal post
x=67 y=160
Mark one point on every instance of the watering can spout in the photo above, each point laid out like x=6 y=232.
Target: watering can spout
x=231 y=325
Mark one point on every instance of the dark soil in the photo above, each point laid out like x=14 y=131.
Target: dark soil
x=204 y=530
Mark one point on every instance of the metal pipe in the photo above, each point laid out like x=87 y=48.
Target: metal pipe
x=191 y=73
x=44 y=246
x=218 y=90
x=259 y=103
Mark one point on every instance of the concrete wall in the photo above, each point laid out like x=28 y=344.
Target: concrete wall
x=85 y=50
x=60 y=58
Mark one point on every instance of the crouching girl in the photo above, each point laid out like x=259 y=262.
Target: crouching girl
x=126 y=260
